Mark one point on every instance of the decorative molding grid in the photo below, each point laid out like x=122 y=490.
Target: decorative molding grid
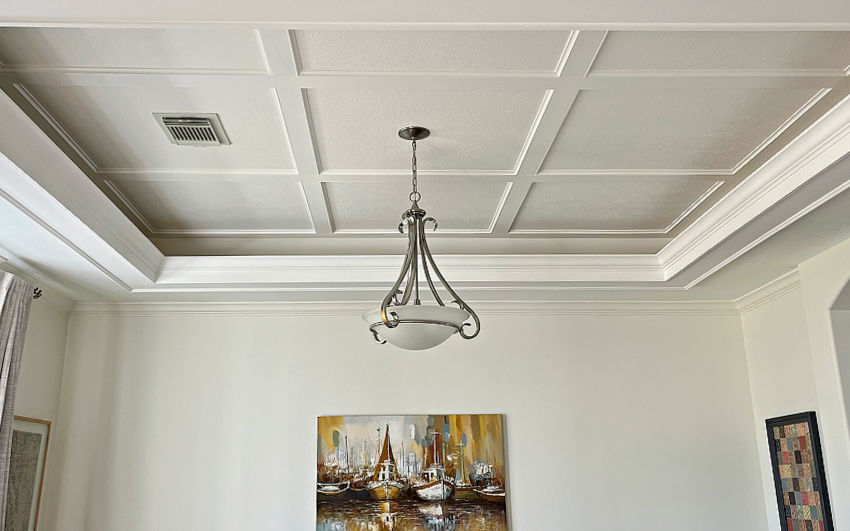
x=57 y=192
x=284 y=76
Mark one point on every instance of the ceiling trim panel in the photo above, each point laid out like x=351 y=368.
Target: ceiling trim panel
x=820 y=146
x=665 y=230
x=45 y=168
x=536 y=14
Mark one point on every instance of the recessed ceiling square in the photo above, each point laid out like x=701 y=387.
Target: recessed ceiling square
x=184 y=48
x=430 y=51
x=458 y=204
x=723 y=50
x=218 y=205
x=471 y=130
x=606 y=204
x=115 y=126
x=670 y=129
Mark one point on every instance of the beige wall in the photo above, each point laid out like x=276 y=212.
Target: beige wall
x=781 y=374
x=794 y=366
x=42 y=361
x=42 y=364
x=822 y=279
x=206 y=419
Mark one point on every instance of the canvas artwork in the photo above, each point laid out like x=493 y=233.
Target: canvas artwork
x=412 y=472
x=26 y=473
x=798 y=473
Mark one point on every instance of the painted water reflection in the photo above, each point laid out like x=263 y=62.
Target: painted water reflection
x=410 y=515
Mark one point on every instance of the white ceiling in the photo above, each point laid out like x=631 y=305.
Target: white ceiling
x=611 y=135
x=691 y=130
x=599 y=142
x=610 y=203
x=695 y=51
x=429 y=51
x=474 y=131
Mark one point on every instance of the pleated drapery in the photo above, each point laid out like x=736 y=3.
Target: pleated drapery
x=15 y=302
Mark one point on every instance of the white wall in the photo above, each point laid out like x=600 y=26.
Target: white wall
x=42 y=361
x=822 y=279
x=841 y=330
x=782 y=379
x=796 y=365
x=40 y=379
x=205 y=419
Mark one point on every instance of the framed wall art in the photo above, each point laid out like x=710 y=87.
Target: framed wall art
x=798 y=473
x=411 y=472
x=30 y=438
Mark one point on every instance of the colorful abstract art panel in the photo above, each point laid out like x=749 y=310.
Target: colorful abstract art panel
x=410 y=472
x=801 y=491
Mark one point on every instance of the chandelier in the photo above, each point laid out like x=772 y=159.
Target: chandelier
x=402 y=319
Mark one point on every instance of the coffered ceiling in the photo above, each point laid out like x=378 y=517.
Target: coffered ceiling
x=591 y=142
x=573 y=135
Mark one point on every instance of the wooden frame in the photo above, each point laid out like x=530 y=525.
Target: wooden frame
x=48 y=426
x=817 y=473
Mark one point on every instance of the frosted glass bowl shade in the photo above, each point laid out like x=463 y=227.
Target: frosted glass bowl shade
x=432 y=326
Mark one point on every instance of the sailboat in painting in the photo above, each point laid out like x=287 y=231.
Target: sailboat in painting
x=331 y=481
x=489 y=487
x=385 y=483
x=434 y=484
x=410 y=472
x=464 y=490
x=331 y=490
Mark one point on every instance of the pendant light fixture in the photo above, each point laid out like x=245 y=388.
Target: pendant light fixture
x=403 y=320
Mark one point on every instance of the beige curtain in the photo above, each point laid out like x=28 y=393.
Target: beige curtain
x=15 y=301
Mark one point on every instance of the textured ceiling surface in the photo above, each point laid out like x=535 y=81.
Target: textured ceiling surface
x=615 y=140
x=430 y=51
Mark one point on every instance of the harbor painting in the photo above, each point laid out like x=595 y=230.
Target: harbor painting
x=411 y=472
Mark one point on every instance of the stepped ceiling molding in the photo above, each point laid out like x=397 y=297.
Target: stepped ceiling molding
x=633 y=159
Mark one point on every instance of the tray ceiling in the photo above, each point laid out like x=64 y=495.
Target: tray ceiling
x=550 y=141
x=569 y=134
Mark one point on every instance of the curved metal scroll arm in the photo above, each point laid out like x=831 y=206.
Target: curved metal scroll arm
x=378 y=339
x=477 y=323
x=392 y=296
x=422 y=249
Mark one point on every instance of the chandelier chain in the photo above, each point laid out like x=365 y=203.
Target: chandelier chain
x=414 y=196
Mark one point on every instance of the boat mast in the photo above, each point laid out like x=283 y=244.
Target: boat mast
x=347 y=457
x=462 y=465
x=378 y=456
x=434 y=446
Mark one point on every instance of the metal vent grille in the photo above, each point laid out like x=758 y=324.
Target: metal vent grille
x=193 y=129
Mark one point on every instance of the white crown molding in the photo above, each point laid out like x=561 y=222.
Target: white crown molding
x=56 y=193
x=768 y=292
x=355 y=309
x=362 y=270
x=820 y=145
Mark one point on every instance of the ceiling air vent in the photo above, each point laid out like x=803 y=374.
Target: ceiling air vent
x=193 y=129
